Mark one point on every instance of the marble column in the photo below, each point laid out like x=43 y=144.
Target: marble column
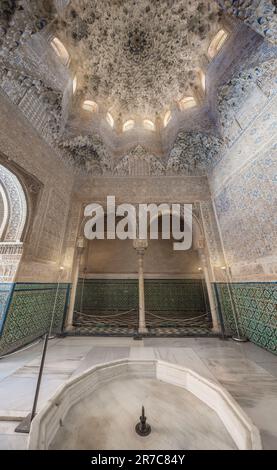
x=204 y=265
x=75 y=276
x=140 y=247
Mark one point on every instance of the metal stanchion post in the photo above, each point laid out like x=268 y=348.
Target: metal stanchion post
x=25 y=425
x=238 y=337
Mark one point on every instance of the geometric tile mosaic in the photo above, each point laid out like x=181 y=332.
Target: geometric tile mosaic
x=160 y=295
x=130 y=320
x=256 y=306
x=5 y=290
x=29 y=313
x=152 y=332
x=106 y=294
x=173 y=307
x=185 y=295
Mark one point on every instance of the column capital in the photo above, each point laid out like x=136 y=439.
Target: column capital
x=80 y=245
x=203 y=258
x=140 y=246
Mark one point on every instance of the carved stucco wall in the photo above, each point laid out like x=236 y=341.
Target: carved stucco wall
x=44 y=249
x=137 y=190
x=258 y=14
x=145 y=189
x=244 y=185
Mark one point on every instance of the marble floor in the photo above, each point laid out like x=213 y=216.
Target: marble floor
x=107 y=419
x=248 y=372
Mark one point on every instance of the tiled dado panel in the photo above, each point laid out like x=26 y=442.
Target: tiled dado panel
x=256 y=306
x=5 y=293
x=26 y=310
x=184 y=295
x=106 y=294
x=122 y=294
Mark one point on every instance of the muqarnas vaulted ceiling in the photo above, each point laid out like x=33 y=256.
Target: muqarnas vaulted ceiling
x=136 y=61
x=137 y=57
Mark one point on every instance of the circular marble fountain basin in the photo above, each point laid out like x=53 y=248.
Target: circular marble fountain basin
x=99 y=410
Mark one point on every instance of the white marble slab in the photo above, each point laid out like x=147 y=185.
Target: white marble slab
x=100 y=354
x=184 y=357
x=254 y=389
x=9 y=440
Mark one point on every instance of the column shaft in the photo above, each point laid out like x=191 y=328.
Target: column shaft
x=211 y=300
x=75 y=277
x=142 y=324
x=204 y=265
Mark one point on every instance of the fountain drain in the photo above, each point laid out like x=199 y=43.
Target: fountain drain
x=143 y=428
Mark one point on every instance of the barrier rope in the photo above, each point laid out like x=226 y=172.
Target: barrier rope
x=175 y=319
x=106 y=316
x=116 y=319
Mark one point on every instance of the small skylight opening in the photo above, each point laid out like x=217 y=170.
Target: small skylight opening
x=90 y=106
x=187 y=102
x=74 y=84
x=167 y=117
x=217 y=43
x=203 y=80
x=110 y=119
x=60 y=50
x=128 y=125
x=149 y=125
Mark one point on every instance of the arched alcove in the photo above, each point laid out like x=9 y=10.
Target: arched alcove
x=13 y=215
x=3 y=210
x=16 y=206
x=175 y=291
x=116 y=257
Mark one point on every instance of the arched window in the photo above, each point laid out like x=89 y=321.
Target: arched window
x=90 y=106
x=167 y=117
x=74 y=84
x=128 y=125
x=149 y=125
x=60 y=50
x=217 y=43
x=110 y=119
x=202 y=76
x=187 y=102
